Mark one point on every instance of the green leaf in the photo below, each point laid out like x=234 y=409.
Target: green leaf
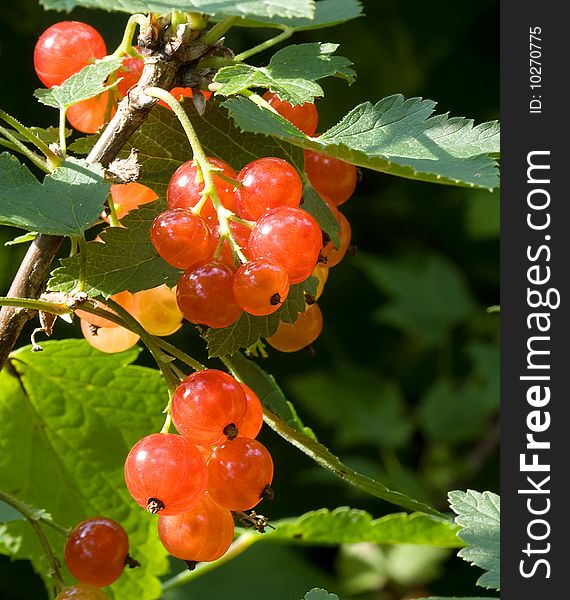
x=67 y=202
x=291 y=431
x=395 y=136
x=319 y=594
x=22 y=239
x=81 y=86
x=428 y=297
x=478 y=514
x=248 y=329
x=239 y=8
x=126 y=261
x=291 y=73
x=69 y=416
x=327 y=14
x=317 y=207
x=349 y=526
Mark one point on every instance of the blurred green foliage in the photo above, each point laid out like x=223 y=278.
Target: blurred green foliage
x=404 y=381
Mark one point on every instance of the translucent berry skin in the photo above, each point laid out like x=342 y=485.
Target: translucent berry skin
x=205 y=295
x=260 y=286
x=291 y=337
x=267 y=183
x=253 y=420
x=181 y=238
x=88 y=116
x=82 y=591
x=95 y=551
x=205 y=403
x=109 y=339
x=290 y=237
x=332 y=178
x=201 y=534
x=304 y=116
x=129 y=196
x=64 y=49
x=130 y=72
x=334 y=255
x=238 y=473
x=184 y=191
x=157 y=310
x=168 y=468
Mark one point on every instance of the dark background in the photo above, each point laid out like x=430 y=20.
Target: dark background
x=404 y=381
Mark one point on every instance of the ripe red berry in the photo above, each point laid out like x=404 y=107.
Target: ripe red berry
x=241 y=234
x=181 y=238
x=260 y=286
x=289 y=236
x=184 y=189
x=82 y=591
x=291 y=337
x=239 y=473
x=129 y=196
x=267 y=183
x=203 y=533
x=304 y=116
x=165 y=472
x=64 y=49
x=333 y=179
x=208 y=407
x=96 y=550
x=130 y=73
x=88 y=116
x=206 y=297
x=253 y=419
x=331 y=254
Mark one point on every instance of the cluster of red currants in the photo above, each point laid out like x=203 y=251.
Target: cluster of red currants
x=195 y=480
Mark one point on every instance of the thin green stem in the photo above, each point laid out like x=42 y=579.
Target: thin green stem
x=35 y=158
x=219 y=30
x=62 y=140
x=113 y=219
x=179 y=355
x=52 y=159
x=50 y=307
x=126 y=45
x=284 y=35
x=242 y=543
x=82 y=263
x=28 y=513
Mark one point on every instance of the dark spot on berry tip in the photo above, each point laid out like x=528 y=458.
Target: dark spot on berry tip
x=231 y=431
x=268 y=493
x=310 y=299
x=191 y=564
x=93 y=329
x=131 y=562
x=275 y=299
x=322 y=259
x=154 y=506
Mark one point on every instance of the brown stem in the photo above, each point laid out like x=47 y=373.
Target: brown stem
x=160 y=70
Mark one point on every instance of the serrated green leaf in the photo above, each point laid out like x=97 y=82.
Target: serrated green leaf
x=319 y=594
x=80 y=86
x=248 y=329
x=291 y=73
x=428 y=297
x=67 y=202
x=126 y=260
x=348 y=526
x=68 y=417
x=290 y=429
x=239 y=8
x=478 y=514
x=327 y=14
x=317 y=207
x=395 y=136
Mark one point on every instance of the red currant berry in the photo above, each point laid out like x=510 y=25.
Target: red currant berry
x=129 y=196
x=64 y=49
x=291 y=337
x=208 y=407
x=184 y=189
x=203 y=533
x=260 y=286
x=130 y=73
x=253 y=419
x=238 y=473
x=108 y=339
x=267 y=183
x=304 y=116
x=88 y=116
x=289 y=236
x=206 y=297
x=181 y=238
x=241 y=234
x=332 y=178
x=182 y=92
x=334 y=255
x=165 y=472
x=82 y=591
x=96 y=550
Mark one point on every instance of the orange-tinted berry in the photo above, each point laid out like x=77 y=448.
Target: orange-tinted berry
x=108 y=339
x=82 y=591
x=291 y=337
x=304 y=116
x=332 y=178
x=253 y=419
